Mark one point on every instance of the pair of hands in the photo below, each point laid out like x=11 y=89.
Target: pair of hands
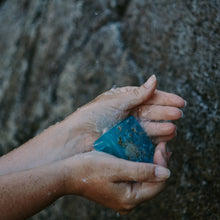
x=61 y=160
x=116 y=183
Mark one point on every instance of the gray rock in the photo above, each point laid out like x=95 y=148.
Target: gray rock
x=57 y=56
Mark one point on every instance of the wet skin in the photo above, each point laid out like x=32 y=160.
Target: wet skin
x=58 y=162
x=77 y=133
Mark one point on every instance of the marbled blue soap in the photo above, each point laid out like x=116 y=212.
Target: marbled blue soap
x=127 y=140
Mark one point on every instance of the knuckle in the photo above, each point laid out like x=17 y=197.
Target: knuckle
x=147 y=173
x=136 y=92
x=142 y=172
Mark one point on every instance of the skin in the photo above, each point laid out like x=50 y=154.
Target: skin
x=77 y=133
x=94 y=175
x=59 y=162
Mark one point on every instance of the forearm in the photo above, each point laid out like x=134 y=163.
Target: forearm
x=27 y=192
x=54 y=144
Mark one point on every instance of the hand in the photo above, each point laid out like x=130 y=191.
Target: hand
x=116 y=183
x=98 y=176
x=77 y=133
x=148 y=105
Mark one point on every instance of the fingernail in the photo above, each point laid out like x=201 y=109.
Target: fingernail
x=185 y=104
x=182 y=114
x=162 y=173
x=150 y=81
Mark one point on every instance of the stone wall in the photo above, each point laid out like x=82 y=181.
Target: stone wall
x=58 y=55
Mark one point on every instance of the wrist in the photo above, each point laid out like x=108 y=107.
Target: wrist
x=70 y=178
x=62 y=140
x=78 y=138
x=54 y=173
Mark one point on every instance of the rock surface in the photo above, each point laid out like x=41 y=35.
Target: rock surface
x=58 y=55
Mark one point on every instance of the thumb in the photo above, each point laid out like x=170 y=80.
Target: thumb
x=137 y=95
x=141 y=172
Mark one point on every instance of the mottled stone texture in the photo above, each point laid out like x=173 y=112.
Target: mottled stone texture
x=57 y=55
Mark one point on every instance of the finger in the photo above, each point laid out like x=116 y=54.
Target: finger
x=158 y=129
x=157 y=140
x=146 y=191
x=160 y=156
x=136 y=95
x=139 y=172
x=139 y=192
x=158 y=113
x=167 y=99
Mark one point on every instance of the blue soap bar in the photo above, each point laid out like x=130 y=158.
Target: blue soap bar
x=127 y=140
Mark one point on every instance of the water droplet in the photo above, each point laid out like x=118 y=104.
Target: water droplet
x=84 y=180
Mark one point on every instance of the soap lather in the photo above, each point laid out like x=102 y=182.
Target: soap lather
x=127 y=140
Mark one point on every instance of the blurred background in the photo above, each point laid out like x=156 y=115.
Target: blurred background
x=57 y=55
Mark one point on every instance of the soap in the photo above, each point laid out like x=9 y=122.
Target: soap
x=127 y=140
